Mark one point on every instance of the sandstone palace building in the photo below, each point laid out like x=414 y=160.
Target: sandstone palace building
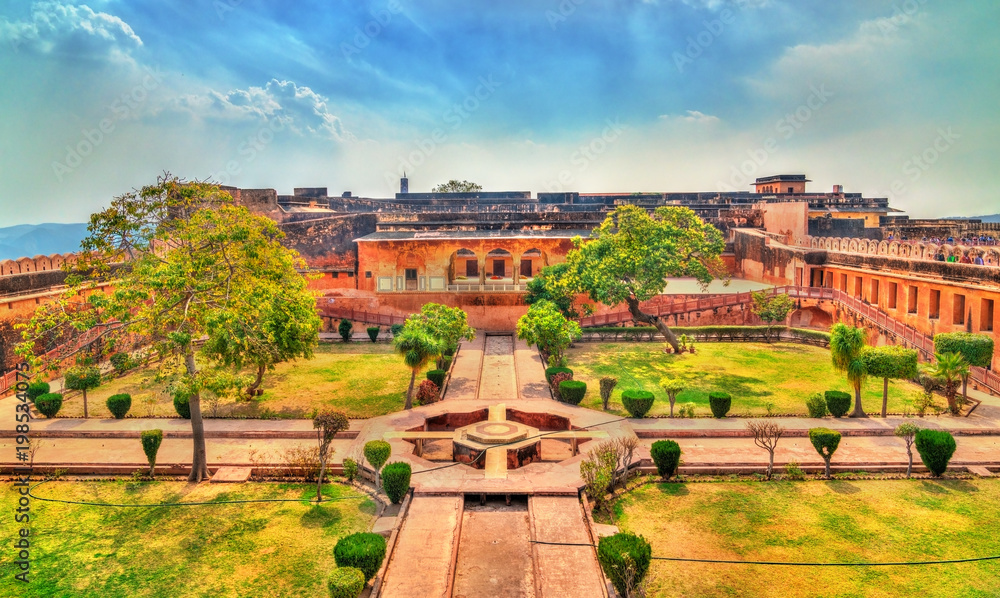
x=379 y=259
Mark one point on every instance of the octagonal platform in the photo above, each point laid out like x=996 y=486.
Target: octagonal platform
x=521 y=444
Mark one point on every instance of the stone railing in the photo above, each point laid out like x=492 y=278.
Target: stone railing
x=910 y=250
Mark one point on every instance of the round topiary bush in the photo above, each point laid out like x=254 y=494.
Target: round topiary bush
x=37 y=389
x=816 y=405
x=625 y=558
x=936 y=448
x=361 y=550
x=345 y=328
x=119 y=404
x=637 y=402
x=437 y=377
x=572 y=391
x=182 y=406
x=549 y=372
x=377 y=453
x=554 y=382
x=838 y=402
x=396 y=481
x=719 y=403
x=346 y=582
x=667 y=456
x=49 y=404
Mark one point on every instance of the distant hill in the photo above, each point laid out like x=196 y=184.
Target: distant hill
x=990 y=218
x=29 y=240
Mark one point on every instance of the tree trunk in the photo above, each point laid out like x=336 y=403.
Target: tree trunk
x=252 y=389
x=672 y=401
x=885 y=396
x=858 y=410
x=949 y=393
x=909 y=457
x=84 y=403
x=965 y=388
x=199 y=461
x=826 y=460
x=640 y=316
x=770 y=464
x=409 y=391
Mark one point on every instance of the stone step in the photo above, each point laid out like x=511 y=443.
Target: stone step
x=980 y=471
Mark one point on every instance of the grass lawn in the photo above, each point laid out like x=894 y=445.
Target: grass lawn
x=244 y=551
x=836 y=521
x=361 y=379
x=755 y=374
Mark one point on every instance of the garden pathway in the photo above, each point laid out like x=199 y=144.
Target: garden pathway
x=465 y=372
x=423 y=559
x=497 y=379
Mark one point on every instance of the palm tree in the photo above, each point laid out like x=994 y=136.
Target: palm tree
x=949 y=368
x=846 y=344
x=417 y=348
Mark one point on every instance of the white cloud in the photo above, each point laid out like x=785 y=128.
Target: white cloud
x=691 y=116
x=299 y=108
x=75 y=31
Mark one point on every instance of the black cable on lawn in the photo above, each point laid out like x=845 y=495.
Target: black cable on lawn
x=181 y=504
x=786 y=564
x=541 y=435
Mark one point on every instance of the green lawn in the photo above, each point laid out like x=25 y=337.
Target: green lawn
x=242 y=551
x=836 y=521
x=755 y=374
x=362 y=379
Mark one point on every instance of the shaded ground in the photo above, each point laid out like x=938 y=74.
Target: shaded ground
x=362 y=379
x=246 y=550
x=836 y=521
x=760 y=377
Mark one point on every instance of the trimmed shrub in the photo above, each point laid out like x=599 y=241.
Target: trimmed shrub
x=182 y=406
x=427 y=393
x=816 y=405
x=667 y=456
x=396 y=329
x=936 y=448
x=119 y=404
x=37 y=389
x=350 y=469
x=437 y=377
x=607 y=387
x=346 y=582
x=572 y=391
x=151 y=440
x=625 y=558
x=361 y=550
x=719 y=402
x=396 y=481
x=549 y=372
x=825 y=441
x=377 y=453
x=637 y=402
x=345 y=328
x=556 y=380
x=373 y=332
x=49 y=404
x=838 y=402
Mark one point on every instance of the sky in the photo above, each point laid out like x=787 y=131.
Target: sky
x=890 y=98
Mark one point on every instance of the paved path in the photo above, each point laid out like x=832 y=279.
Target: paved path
x=422 y=561
x=466 y=370
x=563 y=570
x=497 y=381
x=495 y=552
x=530 y=372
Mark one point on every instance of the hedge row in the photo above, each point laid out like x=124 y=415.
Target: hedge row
x=708 y=333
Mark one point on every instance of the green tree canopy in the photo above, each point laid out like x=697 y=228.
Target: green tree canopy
x=457 y=186
x=83 y=378
x=771 y=308
x=449 y=325
x=550 y=285
x=949 y=369
x=631 y=254
x=185 y=264
x=976 y=349
x=846 y=347
x=544 y=325
x=417 y=347
x=890 y=361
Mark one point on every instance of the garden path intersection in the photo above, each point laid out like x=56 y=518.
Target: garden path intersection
x=473 y=528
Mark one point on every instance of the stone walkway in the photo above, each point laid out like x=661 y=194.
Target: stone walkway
x=564 y=570
x=497 y=380
x=465 y=372
x=424 y=556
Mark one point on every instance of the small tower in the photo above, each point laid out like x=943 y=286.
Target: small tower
x=404 y=184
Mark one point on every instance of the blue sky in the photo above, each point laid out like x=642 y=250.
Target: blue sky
x=889 y=98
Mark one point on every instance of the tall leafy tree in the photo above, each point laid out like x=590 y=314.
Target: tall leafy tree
x=550 y=285
x=846 y=349
x=544 y=325
x=418 y=348
x=186 y=266
x=457 y=186
x=631 y=254
x=771 y=308
x=890 y=361
x=976 y=349
x=449 y=325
